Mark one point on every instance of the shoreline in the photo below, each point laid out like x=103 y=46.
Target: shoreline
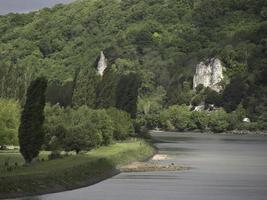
x=233 y=132
x=103 y=165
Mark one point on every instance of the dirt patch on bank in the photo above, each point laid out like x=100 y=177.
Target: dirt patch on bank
x=150 y=167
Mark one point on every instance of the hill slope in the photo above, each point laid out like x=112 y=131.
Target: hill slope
x=160 y=40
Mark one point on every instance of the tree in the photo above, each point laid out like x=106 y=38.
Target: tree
x=176 y=117
x=9 y=121
x=31 y=135
x=79 y=138
x=106 y=90
x=122 y=123
x=85 y=89
x=127 y=94
x=102 y=122
x=199 y=120
x=234 y=93
x=219 y=121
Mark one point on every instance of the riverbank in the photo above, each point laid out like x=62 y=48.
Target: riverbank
x=73 y=171
x=233 y=132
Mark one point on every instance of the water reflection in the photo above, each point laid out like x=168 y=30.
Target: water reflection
x=221 y=167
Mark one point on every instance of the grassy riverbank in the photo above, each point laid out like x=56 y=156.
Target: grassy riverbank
x=69 y=172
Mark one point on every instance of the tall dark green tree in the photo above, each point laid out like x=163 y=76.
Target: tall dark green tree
x=106 y=90
x=234 y=93
x=127 y=93
x=31 y=135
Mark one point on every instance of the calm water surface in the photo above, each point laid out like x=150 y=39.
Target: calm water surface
x=222 y=168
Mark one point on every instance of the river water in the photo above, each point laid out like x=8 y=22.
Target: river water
x=223 y=167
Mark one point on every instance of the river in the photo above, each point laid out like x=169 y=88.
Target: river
x=223 y=167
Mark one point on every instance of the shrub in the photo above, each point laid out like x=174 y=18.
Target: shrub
x=219 y=121
x=103 y=123
x=200 y=120
x=122 y=123
x=54 y=137
x=177 y=117
x=9 y=121
x=54 y=155
x=197 y=100
x=79 y=138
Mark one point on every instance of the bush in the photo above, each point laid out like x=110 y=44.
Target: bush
x=200 y=120
x=197 y=100
x=103 y=123
x=81 y=138
x=9 y=121
x=219 y=121
x=122 y=123
x=213 y=97
x=54 y=155
x=253 y=126
x=84 y=128
x=177 y=117
x=54 y=137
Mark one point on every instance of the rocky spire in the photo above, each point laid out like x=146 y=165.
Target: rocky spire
x=209 y=74
x=102 y=64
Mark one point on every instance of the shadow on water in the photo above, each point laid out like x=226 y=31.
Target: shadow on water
x=155 y=175
x=177 y=149
x=169 y=139
x=240 y=140
x=31 y=198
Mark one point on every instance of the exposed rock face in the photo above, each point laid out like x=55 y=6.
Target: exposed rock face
x=209 y=74
x=102 y=64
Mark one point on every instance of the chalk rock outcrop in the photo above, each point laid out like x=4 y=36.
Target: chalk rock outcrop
x=102 y=64
x=209 y=74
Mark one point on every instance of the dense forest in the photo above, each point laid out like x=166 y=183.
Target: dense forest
x=152 y=48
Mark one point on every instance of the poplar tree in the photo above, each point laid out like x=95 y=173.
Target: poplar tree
x=31 y=135
x=127 y=94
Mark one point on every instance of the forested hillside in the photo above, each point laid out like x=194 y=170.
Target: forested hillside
x=160 y=41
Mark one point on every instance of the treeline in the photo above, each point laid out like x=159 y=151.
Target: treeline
x=159 y=42
x=83 y=128
x=68 y=129
x=162 y=42
x=181 y=118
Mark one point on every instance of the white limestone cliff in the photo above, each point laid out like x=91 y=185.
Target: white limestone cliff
x=209 y=74
x=102 y=64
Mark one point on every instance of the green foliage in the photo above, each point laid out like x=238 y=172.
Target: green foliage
x=197 y=100
x=80 y=138
x=149 y=107
x=234 y=93
x=71 y=171
x=180 y=91
x=218 y=121
x=84 y=128
x=54 y=137
x=106 y=90
x=199 y=120
x=160 y=41
x=127 y=93
x=85 y=89
x=60 y=93
x=122 y=123
x=177 y=117
x=213 y=97
x=9 y=121
x=31 y=135
x=103 y=123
